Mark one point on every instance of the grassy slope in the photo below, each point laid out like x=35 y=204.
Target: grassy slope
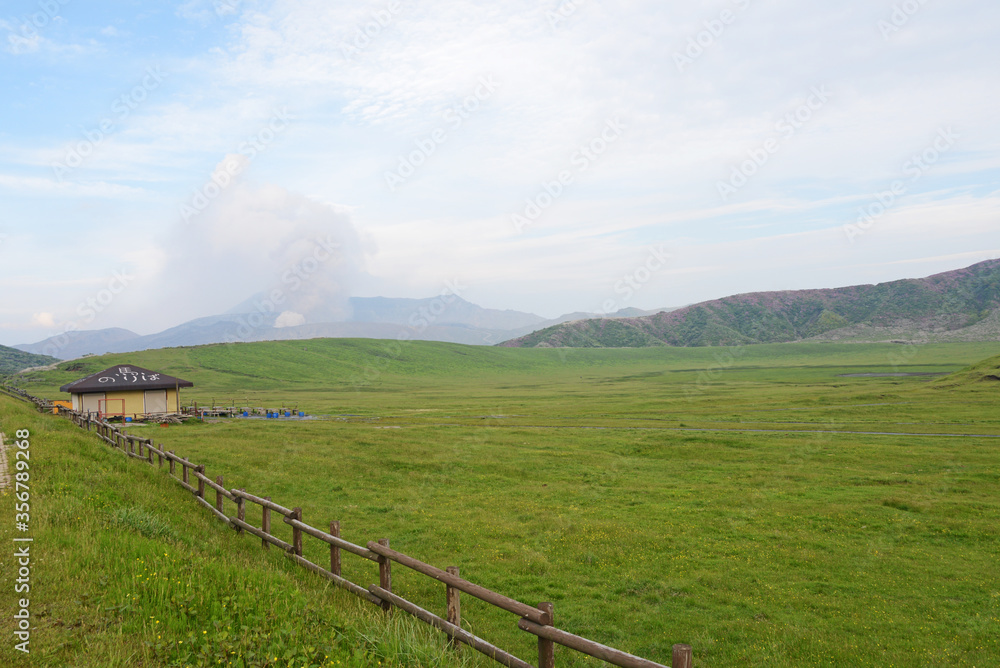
x=13 y=360
x=553 y=475
x=948 y=301
x=127 y=570
x=361 y=375
x=985 y=372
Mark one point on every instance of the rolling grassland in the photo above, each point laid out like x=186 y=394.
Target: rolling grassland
x=784 y=503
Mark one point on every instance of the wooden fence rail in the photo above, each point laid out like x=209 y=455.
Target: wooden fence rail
x=536 y=620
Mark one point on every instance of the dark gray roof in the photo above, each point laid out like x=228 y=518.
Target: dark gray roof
x=124 y=377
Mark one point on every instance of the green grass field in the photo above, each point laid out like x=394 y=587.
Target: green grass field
x=764 y=504
x=126 y=571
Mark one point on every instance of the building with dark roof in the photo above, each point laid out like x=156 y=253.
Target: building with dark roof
x=127 y=390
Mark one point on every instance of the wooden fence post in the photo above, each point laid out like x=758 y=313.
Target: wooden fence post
x=201 y=481
x=159 y=455
x=454 y=603
x=334 y=550
x=546 y=648
x=184 y=470
x=172 y=462
x=149 y=451
x=265 y=523
x=241 y=511
x=682 y=656
x=218 y=494
x=297 y=532
x=385 y=573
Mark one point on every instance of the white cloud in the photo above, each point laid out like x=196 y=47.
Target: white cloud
x=289 y=319
x=43 y=320
x=362 y=102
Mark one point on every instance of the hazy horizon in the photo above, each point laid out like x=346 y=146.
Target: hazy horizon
x=166 y=163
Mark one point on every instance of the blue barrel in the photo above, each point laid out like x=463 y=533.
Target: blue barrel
x=128 y=419
x=288 y=414
x=269 y=414
x=302 y=414
x=246 y=414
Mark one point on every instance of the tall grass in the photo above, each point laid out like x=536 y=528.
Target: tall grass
x=127 y=571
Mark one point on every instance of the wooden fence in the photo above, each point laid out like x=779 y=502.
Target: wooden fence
x=536 y=620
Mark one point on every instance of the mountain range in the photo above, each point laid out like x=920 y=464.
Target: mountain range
x=956 y=305
x=446 y=318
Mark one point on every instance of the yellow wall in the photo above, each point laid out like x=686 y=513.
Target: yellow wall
x=173 y=406
x=134 y=402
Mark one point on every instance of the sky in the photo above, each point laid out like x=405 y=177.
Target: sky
x=163 y=161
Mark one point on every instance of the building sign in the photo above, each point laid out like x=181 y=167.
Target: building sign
x=125 y=375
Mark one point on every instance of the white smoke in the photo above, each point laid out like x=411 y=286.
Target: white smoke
x=298 y=255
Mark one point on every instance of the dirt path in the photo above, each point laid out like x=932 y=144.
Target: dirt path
x=4 y=471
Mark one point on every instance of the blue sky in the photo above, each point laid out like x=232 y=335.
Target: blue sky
x=532 y=153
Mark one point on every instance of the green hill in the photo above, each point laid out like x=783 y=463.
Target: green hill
x=986 y=372
x=127 y=570
x=957 y=305
x=13 y=360
x=278 y=366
